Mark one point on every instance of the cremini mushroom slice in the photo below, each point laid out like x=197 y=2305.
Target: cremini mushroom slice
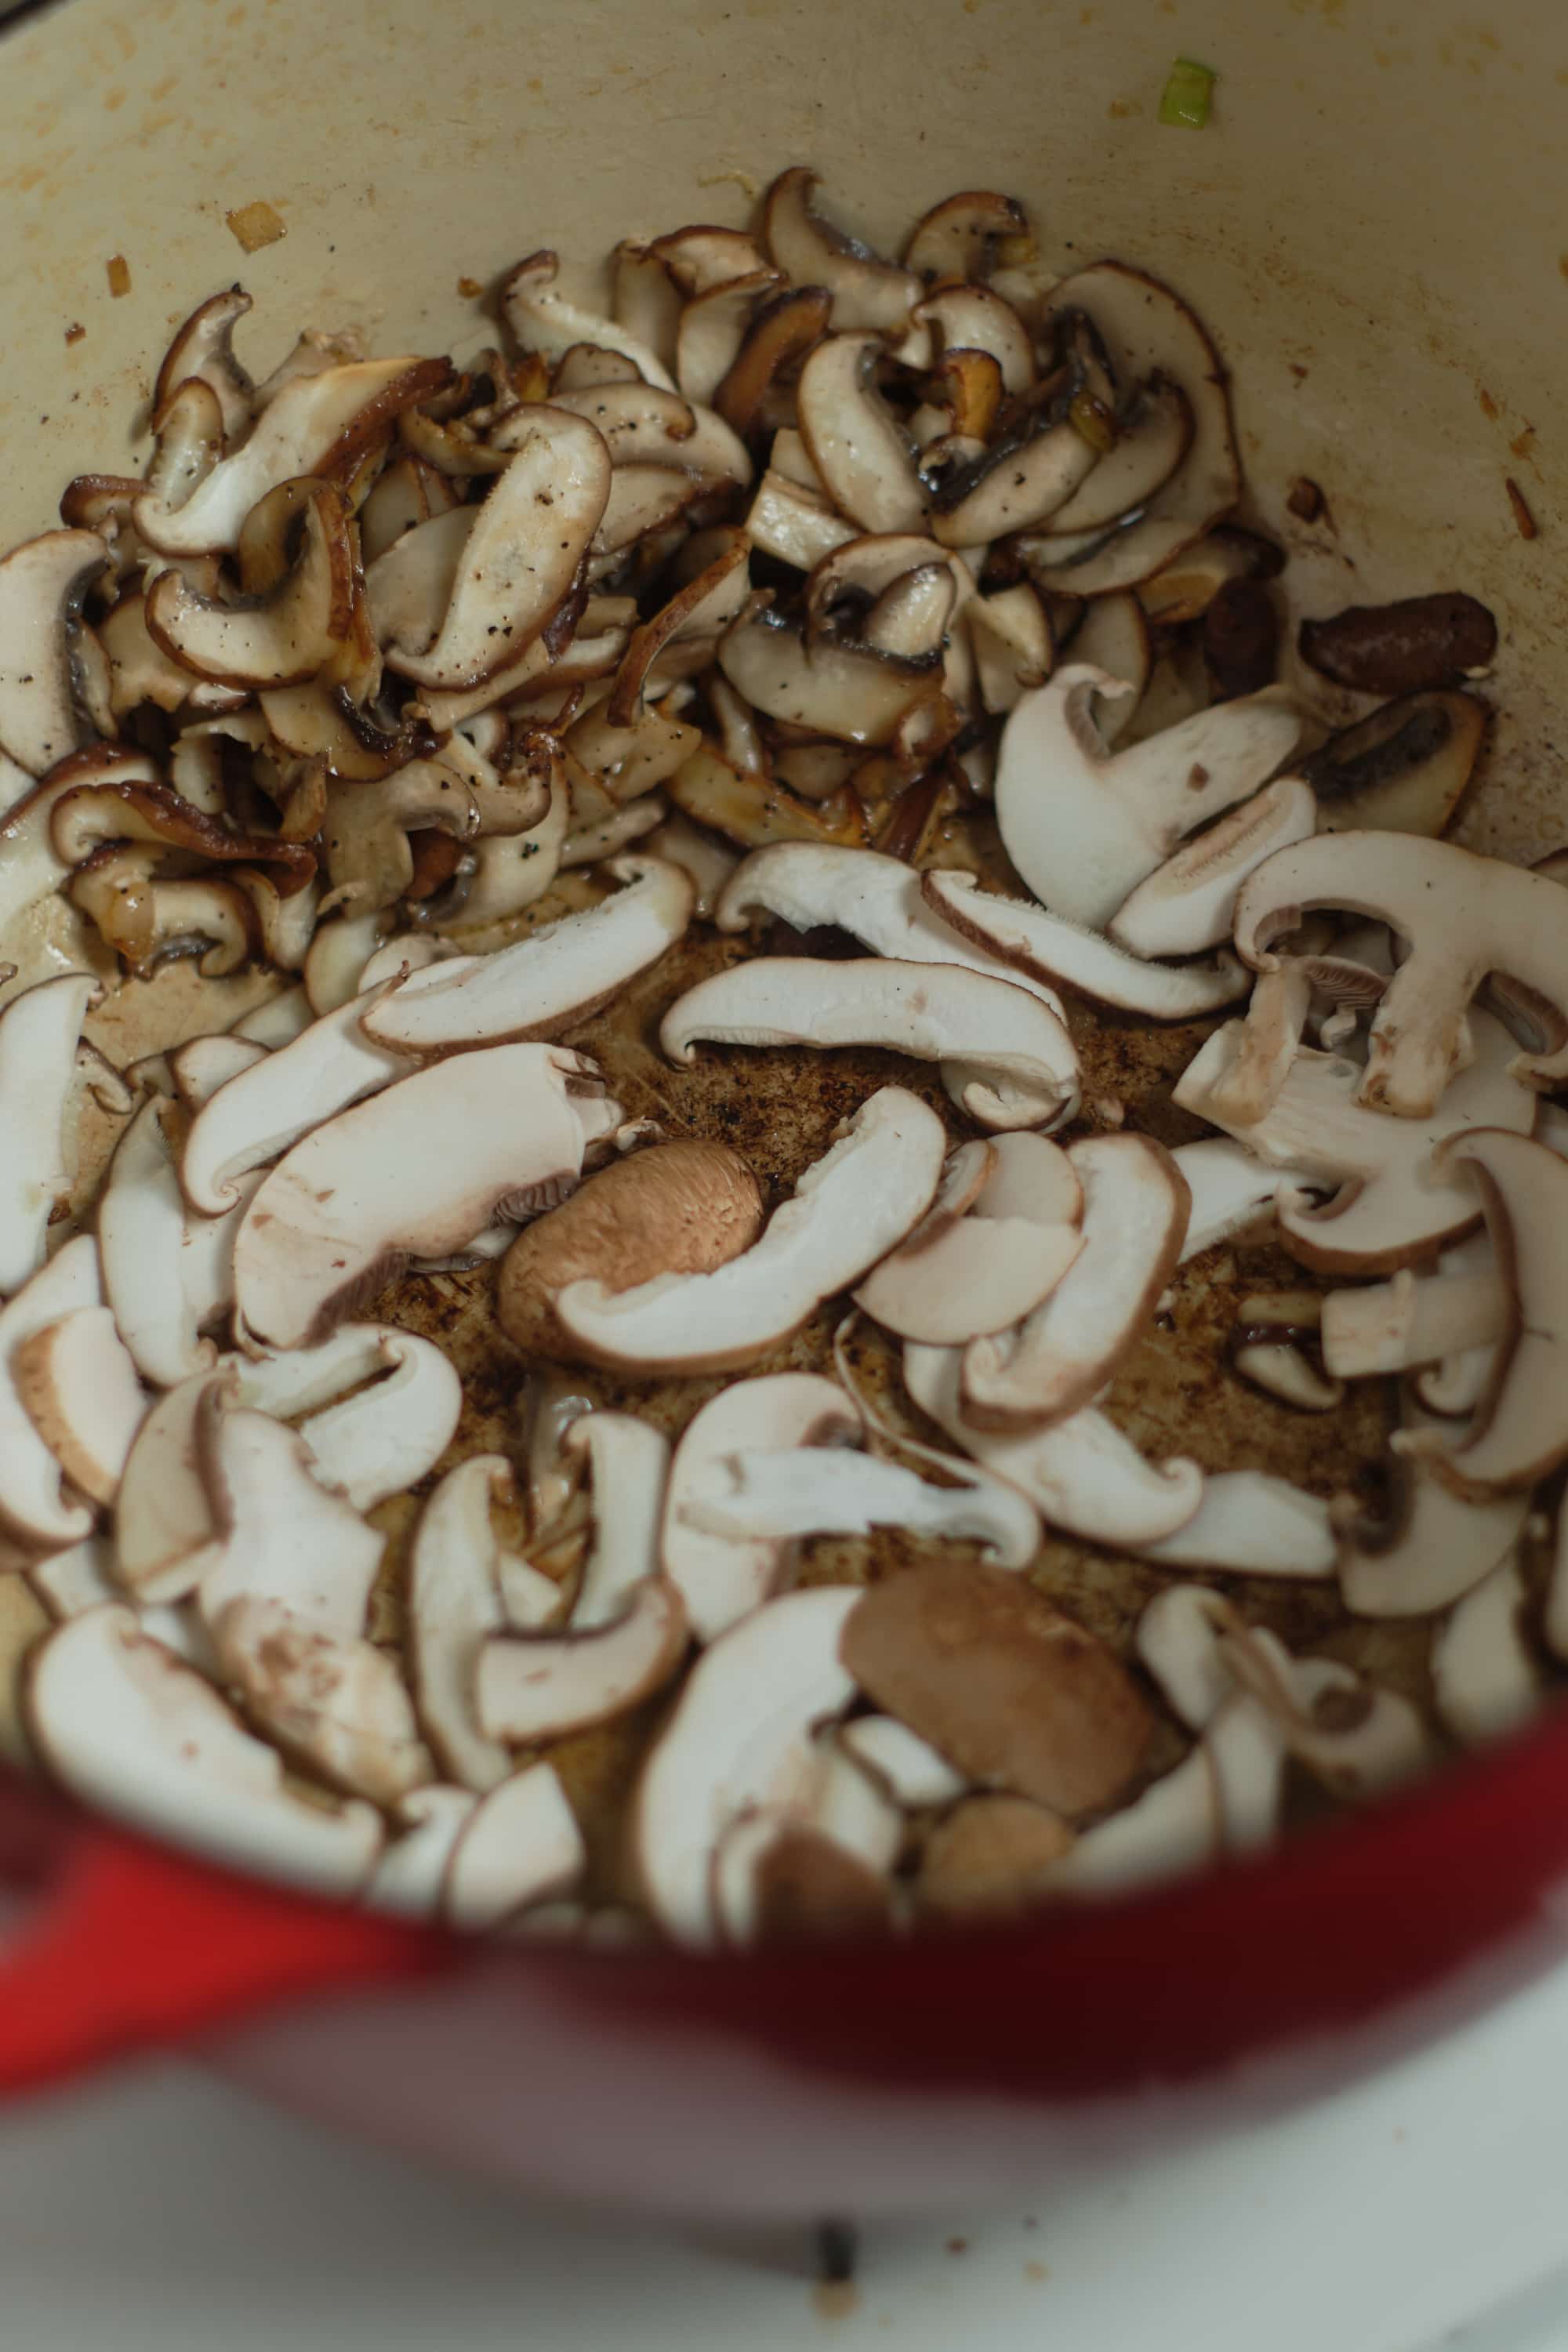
x=867 y=290
x=1155 y=434
x=1453 y=1385
x=504 y=873
x=196 y=1070
x=1390 y=1326
x=966 y=235
x=905 y=1766
x=408 y=1879
x=79 y=1387
x=538 y=1686
x=628 y=1469
x=990 y=1858
x=409 y=586
x=1251 y=1523
x=850 y=1492
x=280 y=1534
x=39 y=1031
x=320 y=424
x=863 y=453
x=203 y=346
x=849 y=1208
x=1189 y=903
x=125 y=1725
x=545 y=322
x=794 y=523
x=1402 y=770
x=721 y=1578
x=1486 y=1679
x=1016 y=483
x=275 y=1021
x=1010 y=637
x=1114 y=636
x=783 y=328
x=416 y=1172
x=281 y=637
x=1275 y=1344
x=874 y=897
x=1006 y=1057
x=677 y=1208
x=1006 y=1685
x=740 y=1739
x=146 y=920
x=1252 y=1068
x=997 y=1240
x=546 y=982
x=709 y=862
x=335 y=961
x=521 y=557
x=849 y=690
x=1391 y=1203
x=702 y=256
x=37 y=1512
x=1351 y=1735
x=519 y=1846
x=1050 y=948
x=42 y=585
x=1429 y=1546
x=340 y=1705
x=1461 y=917
x=1173 y=1830
x=703 y=606
x=1084 y=829
x=778 y=1879
x=1062 y=1353
x=959 y=320
x=386 y=1434
x=1081 y=1473
x=166 y=1274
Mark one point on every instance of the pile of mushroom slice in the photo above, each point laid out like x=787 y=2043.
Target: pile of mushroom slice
x=894 y=602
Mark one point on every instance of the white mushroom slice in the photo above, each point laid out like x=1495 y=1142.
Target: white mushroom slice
x=165 y=1273
x=68 y=1582
x=740 y=1739
x=545 y=981
x=201 y=1065
x=998 y=1238
x=136 y=1734
x=847 y=1211
x=628 y=1467
x=1260 y=1050
x=867 y=290
x=408 y=1879
x=1062 y=1354
x=1081 y=1474
x=1391 y=1202
x=519 y=1846
x=1084 y=828
x=1043 y=946
x=454 y=1604
x=34 y=1510
x=794 y=524
x=1008 y=1059
x=592 y=844
x=1114 y=637
x=42 y=584
x=723 y=1579
x=539 y=1686
x=1430 y=1550
x=876 y=899
x=708 y=862
x=336 y=1704
x=862 y=453
x=1461 y=917
x=417 y=1171
x=316 y=424
x=404 y=952
x=545 y=322
x=1189 y=903
x=1252 y=1524
x=38 y=1034
x=387 y=1436
x=277 y=1022
x=1282 y=1369
x=1454 y=1385
x=80 y=1389
x=281 y=1534
x=265 y=1109
x=1150 y=332
x=1353 y=1736
x=1485 y=1679
x=334 y=962
x=1248 y=1757
x=1013 y=649
x=776 y=1494
x=905 y=1766
x=1173 y=1830
x=1387 y=1327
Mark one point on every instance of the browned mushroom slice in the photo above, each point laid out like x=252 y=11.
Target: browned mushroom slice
x=1404 y=648
x=749 y=809
x=407 y=492
x=851 y=692
x=321 y=722
x=588 y=365
x=643 y=500
x=1155 y=437
x=188 y=428
x=646 y=300
x=282 y=637
x=108 y=808
x=202 y=347
x=42 y=585
x=867 y=290
x=971 y=319
x=702 y=256
x=408 y=589
x=1402 y=770
x=1016 y=483
x=544 y=320
x=794 y=524
x=780 y=331
x=965 y=234
x=370 y=863
x=146 y=920
x=140 y=671
x=861 y=451
x=708 y=603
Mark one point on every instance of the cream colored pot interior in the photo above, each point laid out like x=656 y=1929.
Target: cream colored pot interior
x=1369 y=224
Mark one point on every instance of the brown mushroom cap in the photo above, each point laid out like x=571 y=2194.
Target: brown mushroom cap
x=677 y=1208
x=1001 y=1681
x=991 y=1855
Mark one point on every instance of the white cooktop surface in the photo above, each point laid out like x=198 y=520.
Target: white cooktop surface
x=167 y=2214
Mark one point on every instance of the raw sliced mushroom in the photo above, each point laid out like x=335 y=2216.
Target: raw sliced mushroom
x=740 y=1739
x=545 y=322
x=1390 y=1202
x=416 y=1172
x=134 y=1733
x=43 y=583
x=79 y=1387
x=778 y=1879
x=1272 y=1349
x=1251 y=1524
x=723 y=1578
x=544 y=982
x=281 y=1534
x=1429 y=1546
x=166 y=1274
x=990 y=1858
x=408 y=1879
x=628 y=1470
x=40 y=1031
x=389 y=1432
x=1459 y=917
x=1061 y=1356
x=277 y=1022
x=282 y=637
x=37 y=1512
x=1189 y=903
x=1008 y=1687
x=1083 y=829
x=1008 y=1059
x=1173 y=1828
x=867 y=290
x=519 y=1846
x=850 y=1493
x=538 y=1686
x=1390 y=1326
x=848 y=1208
x=1353 y=1736
x=339 y=1705
x=1081 y=1474
x=1402 y=770
x=1048 y=947
x=1485 y=1681
x=201 y=1065
x=863 y=453
x=907 y=1767
x=456 y=1599
x=1002 y=1231
x=1454 y=1385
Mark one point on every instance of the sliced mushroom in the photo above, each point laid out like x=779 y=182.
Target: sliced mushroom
x=165 y=1274
x=1081 y=1474
x=1155 y=434
x=1062 y=1355
x=706 y=603
x=339 y=1705
x=990 y=1858
x=1010 y=634
x=848 y=1210
x=1419 y=642
x=282 y=637
x=1390 y=1202
x=1173 y=1830
x=35 y=1511
x=456 y=1599
x=723 y=1578
x=408 y=1879
x=546 y=982
x=202 y=346
x=767 y=1494
x=782 y=329
x=1008 y=1059
x=541 y=1686
x=959 y=320
x=1009 y=1688
x=1352 y=1736
x=519 y=1846
x=1274 y=1346
x=1251 y=1524
x=905 y=1766
x=275 y=1021
x=852 y=692
x=1004 y=1230
x=867 y=290
x=1389 y=1326
x=136 y=1734
x=281 y=1535
x=628 y=1470
x=1430 y=1547
x=42 y=585
x=200 y=1066
x=680 y=1208
x=1049 y=947
x=38 y=1036
x=1402 y=770
x=794 y=523
x=544 y=321
x=740 y=1739
x=1189 y=903
x=1459 y=918
x=864 y=456
x=1083 y=830
x=1016 y=484
x=1485 y=1681
x=79 y=1387
x=409 y=586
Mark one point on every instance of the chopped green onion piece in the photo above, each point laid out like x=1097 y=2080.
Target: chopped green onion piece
x=1188 y=94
